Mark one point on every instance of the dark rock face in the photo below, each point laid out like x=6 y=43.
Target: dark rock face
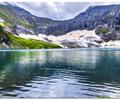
x=110 y=31
x=103 y=32
x=3 y=37
x=17 y=29
x=90 y=19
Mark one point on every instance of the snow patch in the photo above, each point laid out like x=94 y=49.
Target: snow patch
x=29 y=36
x=1 y=20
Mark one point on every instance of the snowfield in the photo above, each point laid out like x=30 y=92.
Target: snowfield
x=75 y=39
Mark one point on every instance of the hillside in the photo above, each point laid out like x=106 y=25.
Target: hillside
x=8 y=40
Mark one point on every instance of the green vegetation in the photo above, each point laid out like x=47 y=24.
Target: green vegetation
x=104 y=30
x=10 y=17
x=2 y=24
x=18 y=42
x=102 y=97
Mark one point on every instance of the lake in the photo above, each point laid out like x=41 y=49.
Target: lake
x=62 y=73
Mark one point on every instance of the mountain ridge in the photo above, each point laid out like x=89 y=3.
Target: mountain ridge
x=89 y=19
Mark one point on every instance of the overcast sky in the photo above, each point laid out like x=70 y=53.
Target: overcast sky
x=57 y=10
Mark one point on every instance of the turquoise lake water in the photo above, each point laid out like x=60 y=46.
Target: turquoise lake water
x=62 y=73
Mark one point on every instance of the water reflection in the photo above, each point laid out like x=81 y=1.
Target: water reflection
x=60 y=74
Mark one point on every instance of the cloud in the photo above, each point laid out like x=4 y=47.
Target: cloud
x=57 y=10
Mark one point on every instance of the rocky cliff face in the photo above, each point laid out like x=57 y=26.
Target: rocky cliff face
x=90 y=19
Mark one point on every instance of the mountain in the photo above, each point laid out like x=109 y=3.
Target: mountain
x=105 y=20
x=21 y=20
x=15 y=16
x=90 y=19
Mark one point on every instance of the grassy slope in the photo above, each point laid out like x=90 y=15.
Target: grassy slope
x=18 y=42
x=2 y=24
